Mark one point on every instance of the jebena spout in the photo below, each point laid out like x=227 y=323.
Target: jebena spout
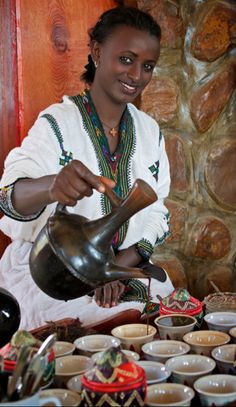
x=116 y=272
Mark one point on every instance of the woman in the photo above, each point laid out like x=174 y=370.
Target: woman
x=98 y=132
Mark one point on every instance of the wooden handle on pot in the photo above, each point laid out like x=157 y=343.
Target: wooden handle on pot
x=114 y=198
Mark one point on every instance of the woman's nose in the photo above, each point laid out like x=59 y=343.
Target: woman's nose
x=135 y=72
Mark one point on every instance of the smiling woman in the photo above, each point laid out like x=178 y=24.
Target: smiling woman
x=69 y=147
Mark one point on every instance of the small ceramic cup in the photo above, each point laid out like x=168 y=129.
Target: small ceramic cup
x=33 y=401
x=66 y=397
x=174 y=326
x=186 y=369
x=74 y=384
x=216 y=390
x=225 y=357
x=133 y=336
x=63 y=348
x=169 y=394
x=220 y=321
x=156 y=372
x=232 y=333
x=69 y=366
x=90 y=344
x=203 y=342
x=162 y=350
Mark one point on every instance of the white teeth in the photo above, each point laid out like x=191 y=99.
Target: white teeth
x=128 y=86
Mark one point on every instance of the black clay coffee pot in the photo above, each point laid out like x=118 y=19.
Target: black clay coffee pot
x=73 y=255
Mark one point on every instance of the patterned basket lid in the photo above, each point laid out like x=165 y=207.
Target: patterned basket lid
x=180 y=301
x=10 y=353
x=113 y=371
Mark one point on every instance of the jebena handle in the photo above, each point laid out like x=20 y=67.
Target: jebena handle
x=115 y=199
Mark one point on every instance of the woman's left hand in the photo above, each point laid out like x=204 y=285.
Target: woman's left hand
x=108 y=296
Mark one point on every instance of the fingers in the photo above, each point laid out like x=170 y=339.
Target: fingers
x=89 y=180
x=108 y=296
x=108 y=182
x=98 y=296
x=109 y=293
x=74 y=182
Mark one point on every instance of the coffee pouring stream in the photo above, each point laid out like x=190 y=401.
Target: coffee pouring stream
x=73 y=255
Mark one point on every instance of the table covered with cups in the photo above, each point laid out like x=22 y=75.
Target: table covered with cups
x=185 y=355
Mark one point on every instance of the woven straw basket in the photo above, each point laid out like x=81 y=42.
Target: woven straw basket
x=220 y=301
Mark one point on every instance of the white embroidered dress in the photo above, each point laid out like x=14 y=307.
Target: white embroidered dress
x=40 y=155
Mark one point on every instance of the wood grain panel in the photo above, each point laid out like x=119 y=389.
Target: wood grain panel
x=9 y=134
x=9 y=130
x=43 y=49
x=52 y=51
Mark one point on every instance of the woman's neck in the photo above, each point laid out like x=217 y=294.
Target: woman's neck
x=107 y=110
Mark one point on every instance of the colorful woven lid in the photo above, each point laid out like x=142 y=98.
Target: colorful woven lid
x=180 y=301
x=113 y=371
x=10 y=353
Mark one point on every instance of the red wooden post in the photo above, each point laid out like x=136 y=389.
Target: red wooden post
x=9 y=111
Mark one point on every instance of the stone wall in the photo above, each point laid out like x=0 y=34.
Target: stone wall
x=192 y=98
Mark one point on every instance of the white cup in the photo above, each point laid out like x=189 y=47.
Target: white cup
x=33 y=401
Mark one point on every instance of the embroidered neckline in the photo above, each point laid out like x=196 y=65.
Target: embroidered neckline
x=115 y=166
x=112 y=158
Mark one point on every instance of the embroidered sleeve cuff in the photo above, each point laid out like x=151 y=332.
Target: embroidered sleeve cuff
x=7 y=207
x=160 y=240
x=144 y=248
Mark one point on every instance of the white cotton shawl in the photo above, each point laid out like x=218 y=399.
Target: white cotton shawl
x=39 y=156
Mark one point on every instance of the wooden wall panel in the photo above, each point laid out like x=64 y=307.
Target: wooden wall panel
x=43 y=48
x=9 y=130
x=52 y=50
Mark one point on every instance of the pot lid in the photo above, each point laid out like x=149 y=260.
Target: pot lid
x=113 y=369
x=180 y=301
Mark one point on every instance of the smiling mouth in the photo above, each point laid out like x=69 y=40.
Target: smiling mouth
x=128 y=88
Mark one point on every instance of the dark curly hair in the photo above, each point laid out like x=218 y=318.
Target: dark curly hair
x=108 y=21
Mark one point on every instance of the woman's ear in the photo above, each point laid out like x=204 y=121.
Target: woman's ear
x=95 y=51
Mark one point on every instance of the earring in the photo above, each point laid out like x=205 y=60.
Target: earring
x=95 y=64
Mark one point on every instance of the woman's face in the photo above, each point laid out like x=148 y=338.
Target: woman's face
x=125 y=63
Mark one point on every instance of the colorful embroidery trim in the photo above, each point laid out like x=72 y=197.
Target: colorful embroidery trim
x=145 y=248
x=160 y=240
x=7 y=208
x=154 y=168
x=67 y=156
x=135 y=291
x=115 y=166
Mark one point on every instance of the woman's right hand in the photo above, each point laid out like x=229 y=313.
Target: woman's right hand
x=74 y=182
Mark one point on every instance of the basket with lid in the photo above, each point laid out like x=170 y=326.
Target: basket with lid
x=114 y=380
x=181 y=302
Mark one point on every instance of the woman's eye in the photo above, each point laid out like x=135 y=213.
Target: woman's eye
x=126 y=60
x=148 y=67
